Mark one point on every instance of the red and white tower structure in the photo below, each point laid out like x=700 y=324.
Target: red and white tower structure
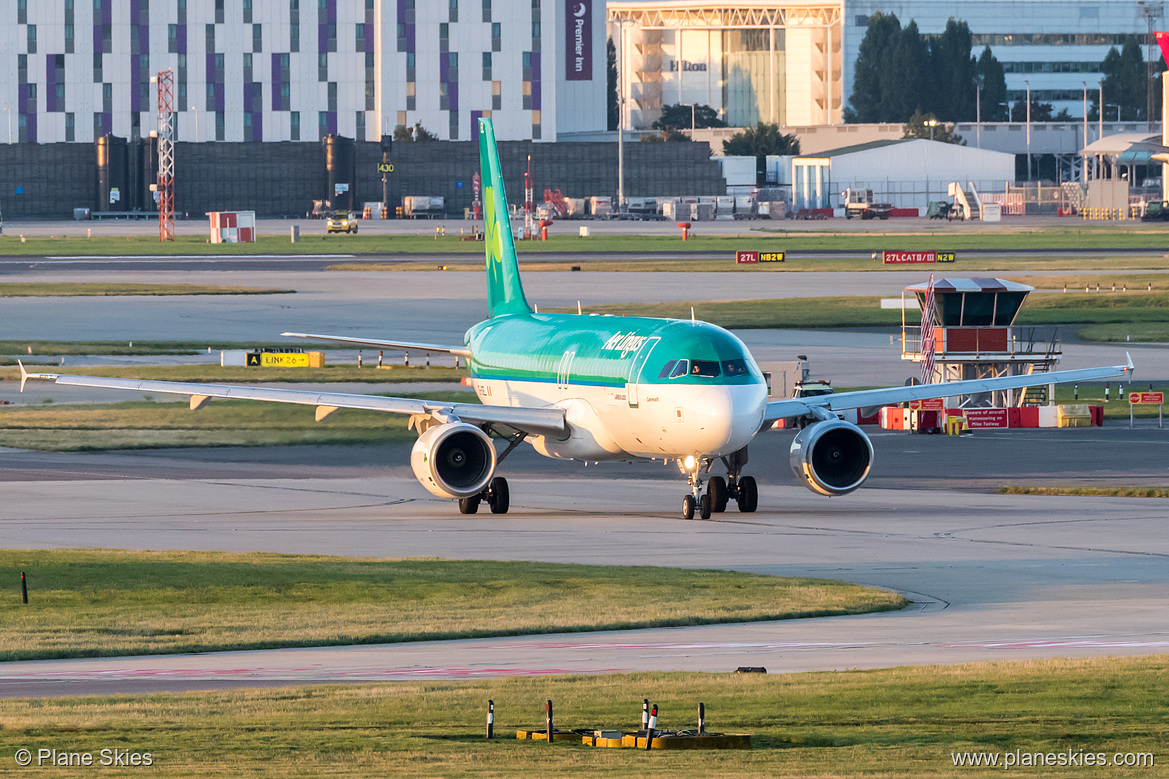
x=166 y=155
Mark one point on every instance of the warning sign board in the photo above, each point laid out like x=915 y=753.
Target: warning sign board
x=1148 y=398
x=912 y=258
x=929 y=404
x=751 y=258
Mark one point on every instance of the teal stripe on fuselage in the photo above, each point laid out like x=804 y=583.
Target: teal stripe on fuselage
x=532 y=347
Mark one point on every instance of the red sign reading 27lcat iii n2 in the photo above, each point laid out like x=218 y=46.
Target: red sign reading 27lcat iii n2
x=908 y=258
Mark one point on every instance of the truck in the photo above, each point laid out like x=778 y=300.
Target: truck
x=860 y=202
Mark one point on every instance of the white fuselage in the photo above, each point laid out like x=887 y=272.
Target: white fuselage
x=660 y=421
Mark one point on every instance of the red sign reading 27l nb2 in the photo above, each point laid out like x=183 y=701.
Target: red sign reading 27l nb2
x=906 y=258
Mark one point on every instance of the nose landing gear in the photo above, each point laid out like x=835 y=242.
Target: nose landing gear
x=719 y=491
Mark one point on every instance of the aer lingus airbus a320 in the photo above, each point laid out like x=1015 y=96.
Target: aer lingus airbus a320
x=594 y=388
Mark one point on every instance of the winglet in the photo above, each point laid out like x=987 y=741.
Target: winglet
x=23 y=375
x=1130 y=365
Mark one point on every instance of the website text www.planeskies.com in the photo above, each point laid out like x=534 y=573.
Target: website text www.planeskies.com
x=1068 y=758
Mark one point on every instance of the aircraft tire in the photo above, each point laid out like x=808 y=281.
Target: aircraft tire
x=748 y=497
x=704 y=506
x=469 y=505
x=688 y=507
x=717 y=488
x=498 y=496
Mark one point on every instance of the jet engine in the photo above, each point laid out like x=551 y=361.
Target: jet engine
x=832 y=457
x=453 y=460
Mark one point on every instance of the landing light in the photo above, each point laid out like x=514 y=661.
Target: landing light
x=689 y=461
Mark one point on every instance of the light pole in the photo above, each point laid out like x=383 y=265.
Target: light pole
x=1100 y=113
x=1028 y=83
x=196 y=113
x=1084 y=162
x=978 y=111
x=931 y=123
x=8 y=111
x=621 y=22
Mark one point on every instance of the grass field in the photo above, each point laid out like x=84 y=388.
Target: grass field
x=679 y=262
x=147 y=348
x=156 y=425
x=767 y=236
x=153 y=425
x=216 y=373
x=893 y=723
x=1141 y=312
x=86 y=603
x=39 y=289
x=1092 y=492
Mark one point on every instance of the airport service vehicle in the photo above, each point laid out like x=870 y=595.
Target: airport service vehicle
x=860 y=202
x=595 y=388
x=1156 y=211
x=342 y=222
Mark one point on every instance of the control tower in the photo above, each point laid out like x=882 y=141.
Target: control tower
x=975 y=337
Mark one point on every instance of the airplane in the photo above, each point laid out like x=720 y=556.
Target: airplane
x=593 y=388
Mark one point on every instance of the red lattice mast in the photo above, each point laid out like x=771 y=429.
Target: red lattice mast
x=166 y=155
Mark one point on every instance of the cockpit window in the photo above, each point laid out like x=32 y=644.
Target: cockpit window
x=705 y=368
x=681 y=369
x=666 y=370
x=734 y=367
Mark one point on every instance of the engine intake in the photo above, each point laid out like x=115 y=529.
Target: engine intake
x=455 y=460
x=832 y=457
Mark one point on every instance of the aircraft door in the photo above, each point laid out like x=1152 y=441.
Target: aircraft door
x=635 y=368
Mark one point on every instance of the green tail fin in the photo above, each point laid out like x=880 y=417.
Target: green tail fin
x=505 y=293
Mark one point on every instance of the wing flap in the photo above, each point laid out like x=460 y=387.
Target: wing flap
x=462 y=351
x=537 y=421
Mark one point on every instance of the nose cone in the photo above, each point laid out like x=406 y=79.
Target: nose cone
x=729 y=417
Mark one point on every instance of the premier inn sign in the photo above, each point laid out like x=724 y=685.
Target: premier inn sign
x=578 y=44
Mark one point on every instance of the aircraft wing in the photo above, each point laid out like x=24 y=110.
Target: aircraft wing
x=537 y=421
x=462 y=351
x=875 y=398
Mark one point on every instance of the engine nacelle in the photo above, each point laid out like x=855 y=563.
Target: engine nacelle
x=455 y=460
x=832 y=457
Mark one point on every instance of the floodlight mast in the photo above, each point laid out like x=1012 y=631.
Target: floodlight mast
x=166 y=155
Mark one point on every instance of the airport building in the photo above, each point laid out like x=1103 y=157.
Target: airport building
x=791 y=61
x=298 y=70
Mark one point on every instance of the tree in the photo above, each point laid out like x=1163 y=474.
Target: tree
x=916 y=127
x=415 y=134
x=1124 y=83
x=994 y=87
x=611 y=75
x=666 y=135
x=761 y=140
x=679 y=116
x=953 y=73
x=866 y=99
x=1040 y=112
x=904 y=84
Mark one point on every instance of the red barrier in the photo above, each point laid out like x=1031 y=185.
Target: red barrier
x=1029 y=416
x=1014 y=418
x=1097 y=415
x=904 y=212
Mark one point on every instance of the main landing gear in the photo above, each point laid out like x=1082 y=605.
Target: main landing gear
x=719 y=491
x=496 y=496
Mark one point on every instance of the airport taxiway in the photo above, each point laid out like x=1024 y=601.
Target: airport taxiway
x=990 y=576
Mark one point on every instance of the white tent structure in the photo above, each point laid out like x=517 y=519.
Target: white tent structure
x=907 y=173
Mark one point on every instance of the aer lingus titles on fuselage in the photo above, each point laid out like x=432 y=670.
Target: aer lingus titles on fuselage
x=593 y=388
